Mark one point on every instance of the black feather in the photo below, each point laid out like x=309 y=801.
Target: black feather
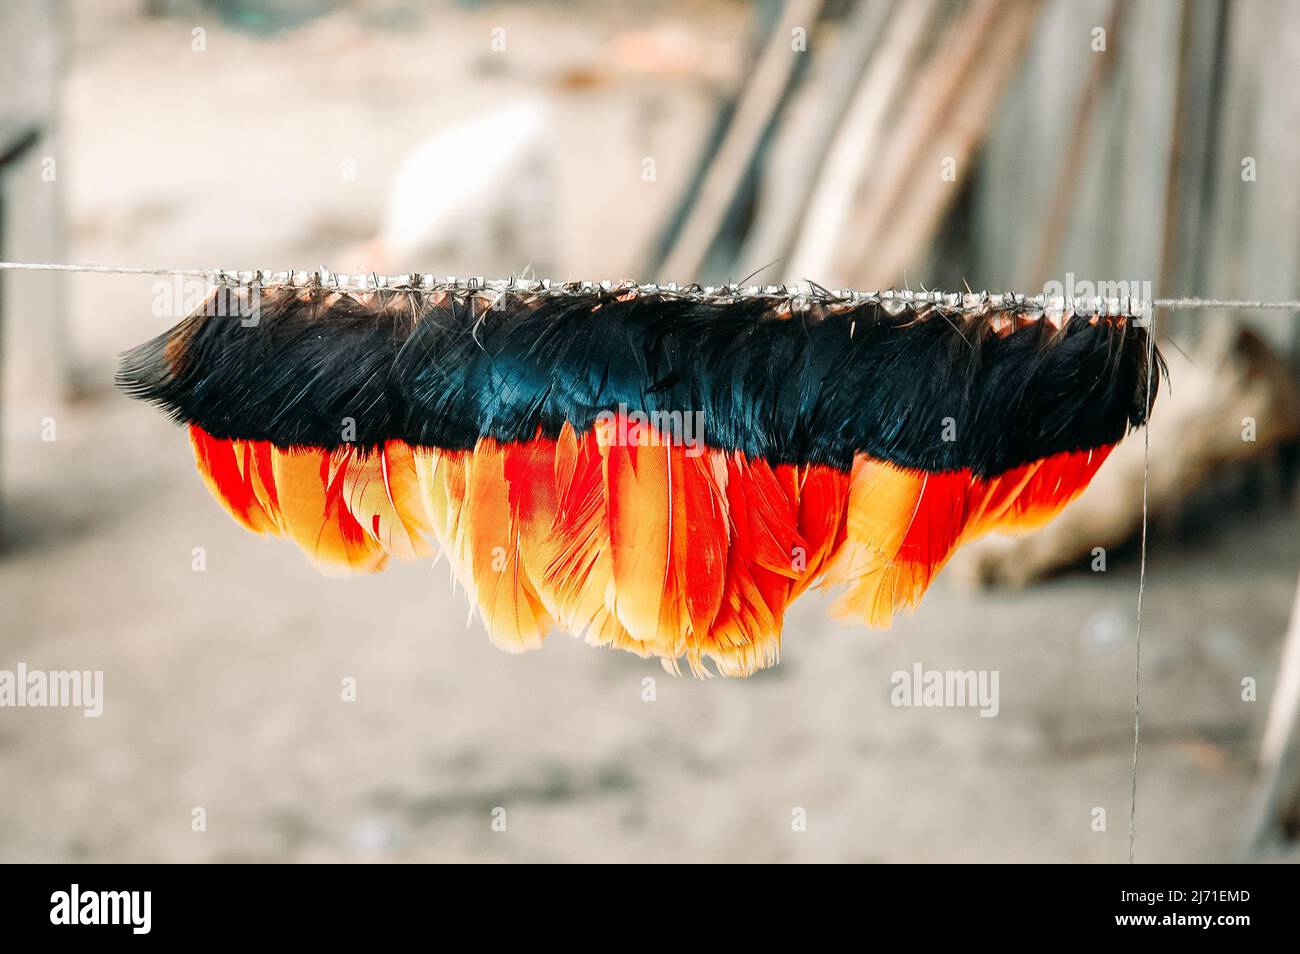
x=818 y=385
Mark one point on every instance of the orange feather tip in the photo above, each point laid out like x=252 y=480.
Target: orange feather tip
x=648 y=546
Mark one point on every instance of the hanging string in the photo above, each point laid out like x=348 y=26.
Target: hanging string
x=217 y=275
x=1231 y=303
x=1142 y=585
x=107 y=269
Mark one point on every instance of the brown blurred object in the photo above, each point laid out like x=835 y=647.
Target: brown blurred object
x=843 y=161
x=945 y=112
x=755 y=110
x=1275 y=816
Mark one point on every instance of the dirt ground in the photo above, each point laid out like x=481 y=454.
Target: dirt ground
x=224 y=686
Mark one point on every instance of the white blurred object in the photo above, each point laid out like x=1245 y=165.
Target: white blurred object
x=476 y=196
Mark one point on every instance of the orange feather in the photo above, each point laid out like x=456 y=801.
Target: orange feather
x=514 y=614
x=315 y=515
x=227 y=468
x=637 y=544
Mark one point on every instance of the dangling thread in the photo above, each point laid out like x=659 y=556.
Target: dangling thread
x=1142 y=582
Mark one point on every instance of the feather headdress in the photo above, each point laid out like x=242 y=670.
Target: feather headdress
x=659 y=470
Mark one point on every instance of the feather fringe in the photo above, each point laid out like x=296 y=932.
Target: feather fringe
x=839 y=444
x=648 y=548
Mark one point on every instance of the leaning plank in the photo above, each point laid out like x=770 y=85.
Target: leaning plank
x=1276 y=809
x=759 y=103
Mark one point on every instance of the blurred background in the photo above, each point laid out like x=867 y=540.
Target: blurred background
x=999 y=144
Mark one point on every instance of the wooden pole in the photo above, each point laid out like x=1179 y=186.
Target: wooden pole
x=758 y=106
x=1276 y=808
